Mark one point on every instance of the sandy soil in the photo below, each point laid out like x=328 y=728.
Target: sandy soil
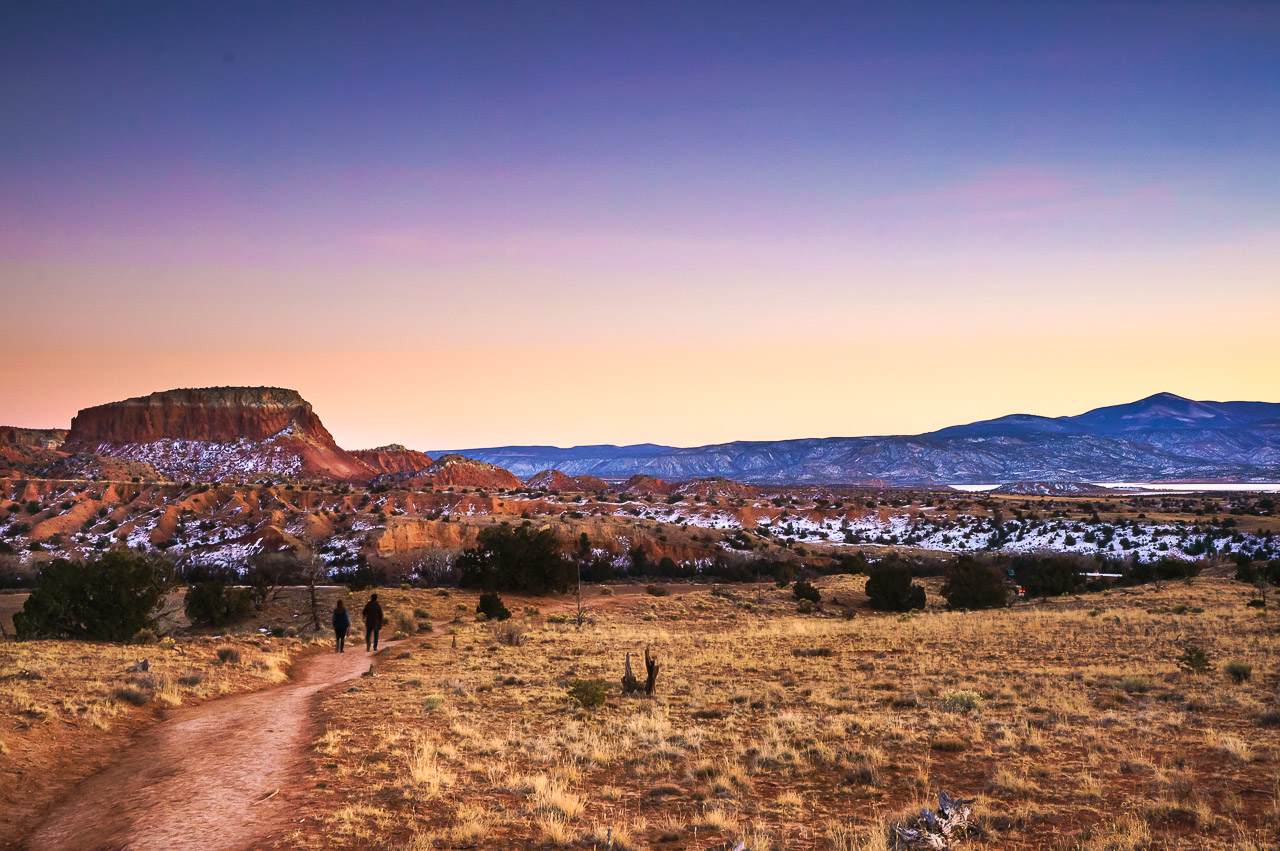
x=215 y=776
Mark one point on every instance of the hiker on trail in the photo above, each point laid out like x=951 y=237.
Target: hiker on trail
x=372 y=621
x=341 y=623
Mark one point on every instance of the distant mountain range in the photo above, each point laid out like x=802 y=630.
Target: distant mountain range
x=1161 y=438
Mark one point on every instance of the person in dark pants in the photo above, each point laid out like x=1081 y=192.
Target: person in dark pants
x=341 y=624
x=372 y=621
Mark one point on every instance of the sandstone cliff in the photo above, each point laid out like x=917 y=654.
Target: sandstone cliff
x=215 y=433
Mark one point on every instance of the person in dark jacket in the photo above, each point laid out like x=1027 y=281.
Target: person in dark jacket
x=341 y=624
x=372 y=621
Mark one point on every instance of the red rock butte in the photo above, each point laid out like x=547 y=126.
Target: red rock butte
x=255 y=430
x=219 y=414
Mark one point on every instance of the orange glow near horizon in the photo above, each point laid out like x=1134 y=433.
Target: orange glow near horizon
x=683 y=396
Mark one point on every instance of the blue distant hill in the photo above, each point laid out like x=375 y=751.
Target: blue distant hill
x=1161 y=438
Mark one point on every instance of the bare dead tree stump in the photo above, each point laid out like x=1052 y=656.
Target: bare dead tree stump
x=630 y=684
x=651 y=668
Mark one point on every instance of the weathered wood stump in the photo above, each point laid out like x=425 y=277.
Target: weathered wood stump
x=629 y=682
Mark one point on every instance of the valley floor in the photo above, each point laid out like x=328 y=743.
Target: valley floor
x=1068 y=720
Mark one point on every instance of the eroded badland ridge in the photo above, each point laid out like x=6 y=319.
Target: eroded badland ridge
x=223 y=474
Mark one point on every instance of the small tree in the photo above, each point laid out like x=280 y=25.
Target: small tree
x=213 y=603
x=109 y=598
x=492 y=607
x=973 y=585
x=806 y=591
x=890 y=588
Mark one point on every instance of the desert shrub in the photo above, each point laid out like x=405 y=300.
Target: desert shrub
x=1134 y=684
x=145 y=636
x=1194 y=660
x=492 y=607
x=805 y=607
x=132 y=695
x=422 y=614
x=1239 y=672
x=511 y=633
x=589 y=693
x=213 y=603
x=962 y=702
x=191 y=680
x=109 y=598
x=655 y=591
x=508 y=558
x=228 y=655
x=890 y=588
x=404 y=622
x=972 y=585
x=803 y=590
x=1257 y=603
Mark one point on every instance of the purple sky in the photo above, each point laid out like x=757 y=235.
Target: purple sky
x=699 y=222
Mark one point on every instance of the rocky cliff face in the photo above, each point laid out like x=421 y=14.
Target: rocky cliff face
x=213 y=414
x=394 y=458
x=215 y=433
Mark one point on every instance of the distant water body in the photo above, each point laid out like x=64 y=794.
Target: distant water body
x=1160 y=487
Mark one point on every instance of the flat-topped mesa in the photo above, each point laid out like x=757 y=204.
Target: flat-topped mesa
x=393 y=458
x=216 y=433
x=216 y=414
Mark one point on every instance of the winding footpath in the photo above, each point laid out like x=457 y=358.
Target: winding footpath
x=215 y=776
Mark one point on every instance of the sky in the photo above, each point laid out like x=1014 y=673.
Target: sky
x=471 y=224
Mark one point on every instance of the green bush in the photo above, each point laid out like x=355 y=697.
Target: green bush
x=491 y=606
x=973 y=585
x=1194 y=660
x=213 y=603
x=146 y=636
x=890 y=588
x=108 y=598
x=803 y=590
x=962 y=702
x=589 y=693
x=1135 y=685
x=1239 y=672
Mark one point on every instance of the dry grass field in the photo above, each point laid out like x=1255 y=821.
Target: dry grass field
x=1069 y=721
x=67 y=707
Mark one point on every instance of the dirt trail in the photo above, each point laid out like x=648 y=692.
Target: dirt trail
x=215 y=776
